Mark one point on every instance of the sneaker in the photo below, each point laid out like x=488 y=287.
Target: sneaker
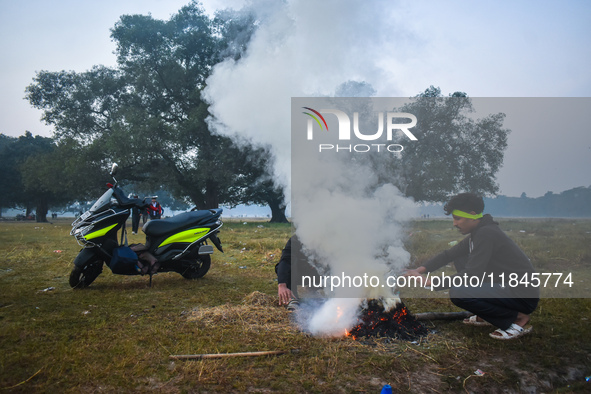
x=293 y=304
x=133 y=232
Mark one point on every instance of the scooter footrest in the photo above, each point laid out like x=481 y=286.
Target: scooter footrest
x=206 y=249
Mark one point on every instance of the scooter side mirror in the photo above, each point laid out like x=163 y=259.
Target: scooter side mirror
x=114 y=169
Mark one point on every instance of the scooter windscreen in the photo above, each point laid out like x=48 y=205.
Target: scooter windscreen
x=103 y=202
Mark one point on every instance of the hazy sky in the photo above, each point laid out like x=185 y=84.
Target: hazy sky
x=486 y=49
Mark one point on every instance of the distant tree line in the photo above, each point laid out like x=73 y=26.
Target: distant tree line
x=21 y=162
x=572 y=203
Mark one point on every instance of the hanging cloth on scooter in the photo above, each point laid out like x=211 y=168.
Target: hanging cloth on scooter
x=124 y=260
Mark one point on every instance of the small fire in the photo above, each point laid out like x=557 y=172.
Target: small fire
x=348 y=334
x=376 y=321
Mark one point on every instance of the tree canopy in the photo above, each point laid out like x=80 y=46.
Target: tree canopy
x=147 y=113
x=33 y=174
x=453 y=153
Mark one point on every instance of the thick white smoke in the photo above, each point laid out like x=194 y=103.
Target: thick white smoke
x=308 y=48
x=301 y=48
x=353 y=224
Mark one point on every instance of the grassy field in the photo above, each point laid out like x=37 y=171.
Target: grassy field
x=117 y=335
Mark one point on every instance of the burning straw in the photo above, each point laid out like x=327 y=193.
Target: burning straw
x=358 y=318
x=376 y=320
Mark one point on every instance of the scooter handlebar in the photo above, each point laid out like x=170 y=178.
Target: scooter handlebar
x=128 y=203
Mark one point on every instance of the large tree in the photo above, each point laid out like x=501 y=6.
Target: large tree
x=148 y=114
x=453 y=153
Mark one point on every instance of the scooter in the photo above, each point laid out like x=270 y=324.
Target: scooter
x=178 y=244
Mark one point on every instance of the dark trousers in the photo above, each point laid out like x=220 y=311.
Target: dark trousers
x=135 y=223
x=496 y=305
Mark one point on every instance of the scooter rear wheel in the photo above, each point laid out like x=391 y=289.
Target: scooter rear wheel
x=82 y=277
x=195 y=269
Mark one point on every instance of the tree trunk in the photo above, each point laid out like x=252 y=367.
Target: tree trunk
x=41 y=214
x=277 y=211
x=212 y=198
x=198 y=199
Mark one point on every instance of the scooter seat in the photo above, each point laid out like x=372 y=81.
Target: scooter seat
x=160 y=227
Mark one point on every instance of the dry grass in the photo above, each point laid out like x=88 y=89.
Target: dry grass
x=117 y=335
x=257 y=313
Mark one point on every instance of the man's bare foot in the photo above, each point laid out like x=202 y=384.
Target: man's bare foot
x=522 y=319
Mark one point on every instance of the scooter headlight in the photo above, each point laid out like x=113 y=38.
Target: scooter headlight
x=79 y=233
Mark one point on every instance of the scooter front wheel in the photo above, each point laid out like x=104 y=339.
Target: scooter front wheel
x=195 y=269
x=81 y=277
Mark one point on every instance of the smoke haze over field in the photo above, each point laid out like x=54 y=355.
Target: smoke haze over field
x=313 y=49
x=345 y=220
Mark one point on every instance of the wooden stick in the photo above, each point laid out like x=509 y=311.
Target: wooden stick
x=226 y=355
x=442 y=315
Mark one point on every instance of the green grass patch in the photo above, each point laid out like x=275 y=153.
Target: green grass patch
x=117 y=335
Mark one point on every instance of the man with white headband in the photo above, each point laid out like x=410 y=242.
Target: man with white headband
x=486 y=253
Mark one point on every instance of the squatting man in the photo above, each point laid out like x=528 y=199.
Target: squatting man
x=285 y=271
x=487 y=250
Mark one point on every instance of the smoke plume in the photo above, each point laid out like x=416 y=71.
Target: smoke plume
x=301 y=48
x=305 y=48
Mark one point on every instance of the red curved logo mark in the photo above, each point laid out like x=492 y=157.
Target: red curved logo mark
x=315 y=118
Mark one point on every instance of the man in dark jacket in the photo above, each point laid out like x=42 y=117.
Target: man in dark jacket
x=287 y=272
x=283 y=270
x=485 y=260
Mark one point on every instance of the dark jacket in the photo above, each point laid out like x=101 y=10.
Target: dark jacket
x=488 y=250
x=283 y=267
x=289 y=273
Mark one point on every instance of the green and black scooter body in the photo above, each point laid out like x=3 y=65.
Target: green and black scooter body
x=183 y=237
x=98 y=234
x=179 y=243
